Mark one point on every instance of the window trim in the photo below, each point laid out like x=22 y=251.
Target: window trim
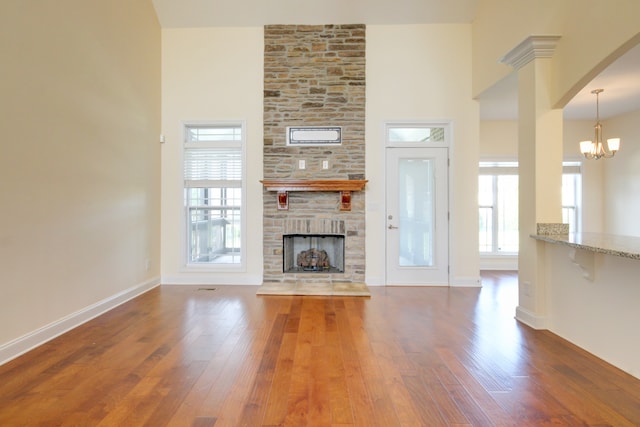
x=187 y=266
x=444 y=125
x=497 y=170
x=574 y=167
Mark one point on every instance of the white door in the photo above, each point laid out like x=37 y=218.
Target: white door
x=417 y=227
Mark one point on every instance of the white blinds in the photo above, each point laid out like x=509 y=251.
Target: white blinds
x=213 y=167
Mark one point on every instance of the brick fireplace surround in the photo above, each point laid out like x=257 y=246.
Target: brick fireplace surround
x=314 y=76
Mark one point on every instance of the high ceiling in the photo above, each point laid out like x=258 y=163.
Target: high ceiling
x=209 y=13
x=621 y=80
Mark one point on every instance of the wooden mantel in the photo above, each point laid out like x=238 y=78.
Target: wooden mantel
x=313 y=184
x=284 y=186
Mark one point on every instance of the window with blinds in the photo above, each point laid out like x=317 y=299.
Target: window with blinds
x=213 y=166
x=213 y=178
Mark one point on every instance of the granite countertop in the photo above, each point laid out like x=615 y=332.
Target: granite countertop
x=610 y=244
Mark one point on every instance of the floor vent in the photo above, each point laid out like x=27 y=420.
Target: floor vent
x=206 y=289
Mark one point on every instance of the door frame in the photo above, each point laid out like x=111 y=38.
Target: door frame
x=447 y=143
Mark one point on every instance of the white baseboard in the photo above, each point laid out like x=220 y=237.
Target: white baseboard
x=504 y=263
x=212 y=279
x=27 y=342
x=462 y=282
x=466 y=282
x=374 y=281
x=530 y=319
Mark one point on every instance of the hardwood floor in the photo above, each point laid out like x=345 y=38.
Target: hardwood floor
x=182 y=355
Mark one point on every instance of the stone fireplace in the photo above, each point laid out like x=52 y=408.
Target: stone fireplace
x=314 y=75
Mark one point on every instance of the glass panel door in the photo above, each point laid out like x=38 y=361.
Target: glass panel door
x=415 y=179
x=417 y=216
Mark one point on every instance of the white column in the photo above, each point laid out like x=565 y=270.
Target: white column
x=540 y=168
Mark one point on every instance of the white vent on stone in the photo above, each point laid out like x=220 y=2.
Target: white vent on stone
x=314 y=135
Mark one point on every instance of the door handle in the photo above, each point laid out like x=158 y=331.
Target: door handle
x=391 y=227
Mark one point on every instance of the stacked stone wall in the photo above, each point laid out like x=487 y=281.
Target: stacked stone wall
x=314 y=76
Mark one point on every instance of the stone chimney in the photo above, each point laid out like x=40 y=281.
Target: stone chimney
x=314 y=76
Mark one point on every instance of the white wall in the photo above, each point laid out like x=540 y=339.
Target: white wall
x=210 y=74
x=423 y=72
x=499 y=26
x=80 y=163
x=581 y=52
x=216 y=73
x=599 y=314
x=499 y=140
x=621 y=195
x=610 y=186
x=575 y=131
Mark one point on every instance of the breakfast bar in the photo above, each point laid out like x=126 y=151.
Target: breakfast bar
x=622 y=246
x=592 y=293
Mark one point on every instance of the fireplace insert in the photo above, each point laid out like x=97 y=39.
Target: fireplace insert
x=313 y=253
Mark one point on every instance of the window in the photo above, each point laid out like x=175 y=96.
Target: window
x=415 y=134
x=498 y=204
x=571 y=195
x=213 y=178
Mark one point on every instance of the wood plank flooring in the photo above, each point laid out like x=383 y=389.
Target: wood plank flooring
x=187 y=356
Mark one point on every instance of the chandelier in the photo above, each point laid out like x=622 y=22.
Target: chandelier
x=595 y=149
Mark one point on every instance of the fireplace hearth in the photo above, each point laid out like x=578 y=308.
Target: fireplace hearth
x=313 y=253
